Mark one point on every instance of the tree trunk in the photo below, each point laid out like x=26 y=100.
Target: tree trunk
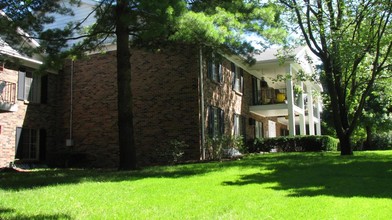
x=369 y=138
x=345 y=145
x=125 y=104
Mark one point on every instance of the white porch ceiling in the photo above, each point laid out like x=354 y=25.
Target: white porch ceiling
x=273 y=110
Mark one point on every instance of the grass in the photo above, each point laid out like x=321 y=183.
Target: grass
x=269 y=186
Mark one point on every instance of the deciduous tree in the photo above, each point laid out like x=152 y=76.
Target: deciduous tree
x=353 y=39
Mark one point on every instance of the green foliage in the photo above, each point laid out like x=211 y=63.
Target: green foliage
x=223 y=25
x=218 y=147
x=173 y=153
x=177 y=149
x=353 y=39
x=296 y=144
x=381 y=141
x=378 y=109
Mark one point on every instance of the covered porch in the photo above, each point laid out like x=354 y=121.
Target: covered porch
x=282 y=90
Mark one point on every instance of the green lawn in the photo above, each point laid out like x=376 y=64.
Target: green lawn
x=269 y=186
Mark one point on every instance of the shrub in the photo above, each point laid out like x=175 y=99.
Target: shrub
x=296 y=143
x=217 y=147
x=177 y=149
x=382 y=141
x=172 y=153
x=259 y=145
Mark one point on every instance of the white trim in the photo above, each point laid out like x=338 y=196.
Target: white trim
x=21 y=57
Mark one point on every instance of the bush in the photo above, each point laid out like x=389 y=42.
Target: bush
x=218 y=147
x=382 y=141
x=296 y=144
x=172 y=153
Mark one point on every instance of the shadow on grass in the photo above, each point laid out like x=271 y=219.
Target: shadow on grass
x=300 y=174
x=9 y=214
x=365 y=175
x=52 y=177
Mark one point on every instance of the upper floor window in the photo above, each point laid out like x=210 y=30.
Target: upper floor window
x=215 y=122
x=214 y=71
x=238 y=78
x=32 y=87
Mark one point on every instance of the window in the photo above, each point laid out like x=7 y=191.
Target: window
x=32 y=87
x=256 y=91
x=215 y=122
x=238 y=78
x=239 y=125
x=214 y=71
x=27 y=144
x=259 y=129
x=271 y=129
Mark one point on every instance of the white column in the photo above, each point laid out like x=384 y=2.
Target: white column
x=302 y=124
x=290 y=101
x=310 y=111
x=318 y=115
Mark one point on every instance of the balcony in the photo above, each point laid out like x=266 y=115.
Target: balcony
x=8 y=96
x=271 y=101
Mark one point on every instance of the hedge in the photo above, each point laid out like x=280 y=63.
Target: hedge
x=295 y=144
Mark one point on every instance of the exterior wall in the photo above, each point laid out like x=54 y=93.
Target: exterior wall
x=231 y=102
x=223 y=96
x=34 y=116
x=264 y=120
x=94 y=113
x=166 y=102
x=165 y=96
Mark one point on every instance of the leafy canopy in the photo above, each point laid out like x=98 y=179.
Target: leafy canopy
x=353 y=39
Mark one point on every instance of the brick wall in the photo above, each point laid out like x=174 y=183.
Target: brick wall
x=33 y=116
x=94 y=113
x=166 y=101
x=223 y=96
x=165 y=96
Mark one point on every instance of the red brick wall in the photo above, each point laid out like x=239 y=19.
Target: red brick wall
x=165 y=96
x=94 y=118
x=223 y=96
x=33 y=116
x=166 y=101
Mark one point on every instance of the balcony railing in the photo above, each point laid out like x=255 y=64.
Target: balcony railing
x=7 y=92
x=269 y=95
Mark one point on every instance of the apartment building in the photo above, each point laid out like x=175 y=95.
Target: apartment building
x=180 y=92
x=27 y=108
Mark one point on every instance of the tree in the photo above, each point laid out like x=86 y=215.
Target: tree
x=377 y=115
x=144 y=23
x=353 y=40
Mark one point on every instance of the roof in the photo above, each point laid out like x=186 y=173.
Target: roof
x=7 y=50
x=273 y=54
